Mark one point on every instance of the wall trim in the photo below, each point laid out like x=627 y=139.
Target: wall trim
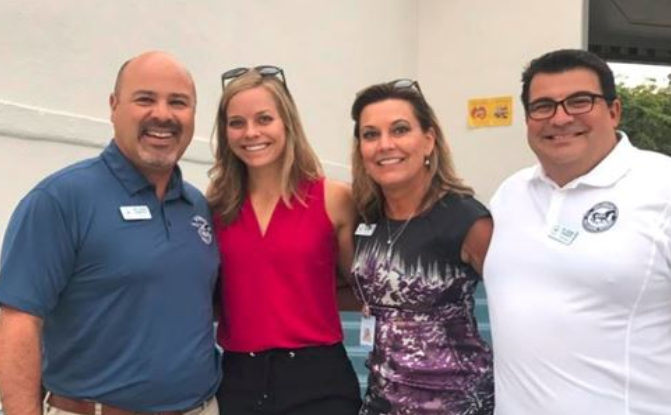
x=40 y=124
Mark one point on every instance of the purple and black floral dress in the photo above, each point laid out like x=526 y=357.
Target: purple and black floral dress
x=428 y=357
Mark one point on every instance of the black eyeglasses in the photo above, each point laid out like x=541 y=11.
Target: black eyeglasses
x=576 y=104
x=405 y=83
x=263 y=70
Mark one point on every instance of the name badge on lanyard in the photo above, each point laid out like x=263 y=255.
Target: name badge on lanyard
x=367 y=332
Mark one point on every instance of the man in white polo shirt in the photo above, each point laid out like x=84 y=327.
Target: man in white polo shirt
x=578 y=273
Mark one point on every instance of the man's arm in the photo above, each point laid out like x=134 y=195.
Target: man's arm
x=20 y=362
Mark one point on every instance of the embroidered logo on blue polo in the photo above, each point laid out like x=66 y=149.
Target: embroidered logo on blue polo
x=203 y=227
x=600 y=217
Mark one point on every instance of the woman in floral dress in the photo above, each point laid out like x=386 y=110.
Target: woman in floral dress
x=419 y=253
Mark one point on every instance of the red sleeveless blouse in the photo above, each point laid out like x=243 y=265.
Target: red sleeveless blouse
x=278 y=290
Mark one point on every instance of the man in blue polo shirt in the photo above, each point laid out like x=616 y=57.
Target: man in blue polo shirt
x=108 y=269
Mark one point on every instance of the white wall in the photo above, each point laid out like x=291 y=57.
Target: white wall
x=59 y=60
x=63 y=56
x=478 y=48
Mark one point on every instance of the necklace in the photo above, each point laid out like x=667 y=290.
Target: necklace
x=392 y=237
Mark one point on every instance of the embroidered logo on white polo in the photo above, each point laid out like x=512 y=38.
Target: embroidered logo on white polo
x=600 y=217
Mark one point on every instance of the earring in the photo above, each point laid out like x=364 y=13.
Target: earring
x=427 y=161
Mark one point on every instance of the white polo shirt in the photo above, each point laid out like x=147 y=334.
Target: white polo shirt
x=578 y=281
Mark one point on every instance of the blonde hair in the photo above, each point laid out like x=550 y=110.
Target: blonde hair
x=367 y=194
x=229 y=176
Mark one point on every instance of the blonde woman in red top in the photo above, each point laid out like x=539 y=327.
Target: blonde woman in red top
x=283 y=230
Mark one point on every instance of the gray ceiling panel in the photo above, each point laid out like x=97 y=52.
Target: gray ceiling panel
x=631 y=30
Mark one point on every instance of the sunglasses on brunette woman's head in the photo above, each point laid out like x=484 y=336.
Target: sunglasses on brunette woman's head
x=405 y=83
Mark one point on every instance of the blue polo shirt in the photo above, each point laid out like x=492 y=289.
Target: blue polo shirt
x=123 y=283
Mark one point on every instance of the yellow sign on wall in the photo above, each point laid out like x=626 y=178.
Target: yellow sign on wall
x=490 y=112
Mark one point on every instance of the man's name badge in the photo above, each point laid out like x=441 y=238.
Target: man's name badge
x=135 y=212
x=367 y=332
x=563 y=234
x=365 y=229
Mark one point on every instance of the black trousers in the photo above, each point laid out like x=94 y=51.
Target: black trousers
x=310 y=381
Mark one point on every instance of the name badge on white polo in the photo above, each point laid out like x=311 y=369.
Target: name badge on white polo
x=135 y=212
x=562 y=234
x=365 y=229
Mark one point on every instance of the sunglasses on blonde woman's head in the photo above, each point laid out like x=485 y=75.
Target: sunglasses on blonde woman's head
x=263 y=70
